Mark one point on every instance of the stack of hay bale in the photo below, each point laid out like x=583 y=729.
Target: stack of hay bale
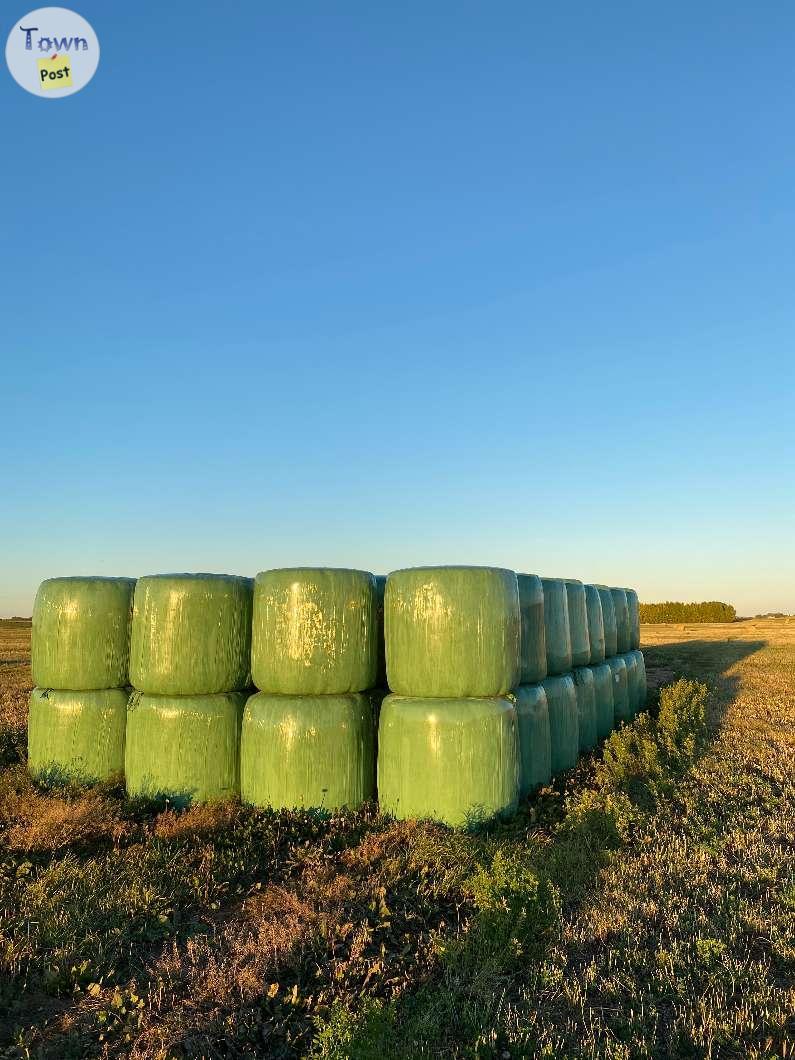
x=189 y=667
x=80 y=648
x=308 y=737
x=448 y=743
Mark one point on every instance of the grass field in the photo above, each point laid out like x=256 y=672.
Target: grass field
x=642 y=907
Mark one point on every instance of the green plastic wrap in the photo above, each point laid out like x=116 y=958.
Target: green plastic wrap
x=556 y=626
x=633 y=687
x=315 y=631
x=608 y=620
x=642 y=684
x=596 y=626
x=184 y=747
x=535 y=749
x=81 y=633
x=621 y=707
x=603 y=698
x=622 y=620
x=586 y=707
x=634 y=619
x=77 y=736
x=452 y=631
x=533 y=649
x=451 y=760
x=578 y=623
x=308 y=752
x=564 y=732
x=191 y=634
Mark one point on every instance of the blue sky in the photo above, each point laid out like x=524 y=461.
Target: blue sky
x=375 y=286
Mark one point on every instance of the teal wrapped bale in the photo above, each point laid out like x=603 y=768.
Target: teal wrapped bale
x=533 y=641
x=450 y=760
x=186 y=748
x=77 y=736
x=535 y=749
x=191 y=634
x=603 y=699
x=608 y=620
x=315 y=631
x=642 y=690
x=622 y=711
x=80 y=638
x=308 y=752
x=556 y=626
x=578 y=623
x=452 y=632
x=564 y=732
x=586 y=707
x=596 y=626
x=633 y=689
x=634 y=619
x=622 y=620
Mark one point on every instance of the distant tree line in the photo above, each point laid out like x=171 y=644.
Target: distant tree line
x=671 y=611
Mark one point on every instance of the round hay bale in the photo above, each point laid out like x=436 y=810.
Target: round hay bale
x=191 y=634
x=452 y=632
x=308 y=752
x=564 y=731
x=556 y=626
x=603 y=699
x=634 y=619
x=185 y=748
x=608 y=620
x=586 y=707
x=80 y=638
x=622 y=711
x=622 y=620
x=450 y=760
x=315 y=631
x=77 y=736
x=596 y=626
x=578 y=623
x=533 y=649
x=535 y=750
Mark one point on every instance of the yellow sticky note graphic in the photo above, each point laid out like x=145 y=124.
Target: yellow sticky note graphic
x=55 y=72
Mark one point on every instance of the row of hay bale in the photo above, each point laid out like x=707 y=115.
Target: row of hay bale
x=202 y=686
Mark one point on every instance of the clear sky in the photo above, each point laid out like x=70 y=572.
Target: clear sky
x=375 y=285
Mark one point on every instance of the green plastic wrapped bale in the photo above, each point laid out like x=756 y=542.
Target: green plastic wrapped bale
x=608 y=620
x=586 y=707
x=634 y=619
x=450 y=760
x=533 y=643
x=564 y=731
x=81 y=633
x=556 y=626
x=315 y=631
x=452 y=631
x=621 y=706
x=77 y=736
x=191 y=634
x=578 y=623
x=596 y=626
x=622 y=620
x=641 y=683
x=380 y=670
x=603 y=698
x=535 y=749
x=186 y=748
x=308 y=752
x=633 y=677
